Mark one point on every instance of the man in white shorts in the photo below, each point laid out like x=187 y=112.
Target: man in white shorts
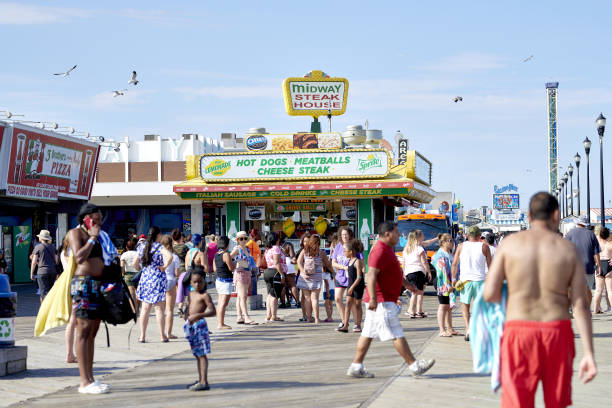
x=385 y=280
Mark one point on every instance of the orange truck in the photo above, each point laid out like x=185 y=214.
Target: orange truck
x=430 y=224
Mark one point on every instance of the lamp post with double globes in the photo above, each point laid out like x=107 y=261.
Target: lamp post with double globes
x=587 y=150
x=577 y=161
x=601 y=127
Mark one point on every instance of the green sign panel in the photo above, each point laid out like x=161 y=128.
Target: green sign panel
x=22 y=238
x=365 y=224
x=300 y=207
x=239 y=195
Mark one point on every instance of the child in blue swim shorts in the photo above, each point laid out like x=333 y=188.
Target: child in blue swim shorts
x=196 y=329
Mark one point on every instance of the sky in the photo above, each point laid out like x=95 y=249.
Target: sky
x=212 y=67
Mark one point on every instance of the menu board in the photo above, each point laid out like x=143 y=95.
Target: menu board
x=296 y=165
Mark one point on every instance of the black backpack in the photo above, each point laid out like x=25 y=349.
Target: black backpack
x=117 y=304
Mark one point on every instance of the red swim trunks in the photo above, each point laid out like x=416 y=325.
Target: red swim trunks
x=532 y=351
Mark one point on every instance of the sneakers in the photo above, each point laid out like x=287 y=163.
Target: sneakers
x=94 y=388
x=359 y=373
x=420 y=367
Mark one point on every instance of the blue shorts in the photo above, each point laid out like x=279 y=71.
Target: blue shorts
x=331 y=295
x=470 y=291
x=198 y=337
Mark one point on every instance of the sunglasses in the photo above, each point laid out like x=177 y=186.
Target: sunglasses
x=243 y=239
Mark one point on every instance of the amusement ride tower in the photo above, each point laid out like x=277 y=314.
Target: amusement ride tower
x=551 y=92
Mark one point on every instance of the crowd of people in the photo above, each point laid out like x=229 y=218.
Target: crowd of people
x=168 y=272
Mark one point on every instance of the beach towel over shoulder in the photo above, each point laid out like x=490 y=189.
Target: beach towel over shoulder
x=57 y=305
x=486 y=329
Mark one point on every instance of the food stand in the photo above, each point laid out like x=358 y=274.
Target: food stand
x=344 y=179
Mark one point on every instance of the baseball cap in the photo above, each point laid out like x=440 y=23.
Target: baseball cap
x=583 y=221
x=142 y=236
x=474 y=231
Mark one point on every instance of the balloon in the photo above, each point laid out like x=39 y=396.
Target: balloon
x=320 y=225
x=288 y=227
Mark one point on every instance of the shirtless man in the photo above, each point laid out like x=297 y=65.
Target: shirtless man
x=86 y=295
x=538 y=343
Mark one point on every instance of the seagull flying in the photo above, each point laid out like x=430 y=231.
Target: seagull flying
x=119 y=93
x=65 y=74
x=133 y=81
x=528 y=58
x=457 y=99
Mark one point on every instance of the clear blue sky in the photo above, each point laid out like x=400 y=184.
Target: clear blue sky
x=212 y=67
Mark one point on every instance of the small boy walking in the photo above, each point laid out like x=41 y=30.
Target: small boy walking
x=196 y=329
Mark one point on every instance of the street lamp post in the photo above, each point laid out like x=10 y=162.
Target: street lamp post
x=601 y=127
x=587 y=150
x=562 y=199
x=570 y=171
x=577 y=161
x=565 y=193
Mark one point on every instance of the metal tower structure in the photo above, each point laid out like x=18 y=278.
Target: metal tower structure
x=551 y=92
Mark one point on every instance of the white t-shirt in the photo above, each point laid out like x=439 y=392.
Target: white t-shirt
x=412 y=261
x=128 y=258
x=290 y=267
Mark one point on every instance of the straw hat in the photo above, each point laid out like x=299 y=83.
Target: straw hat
x=45 y=235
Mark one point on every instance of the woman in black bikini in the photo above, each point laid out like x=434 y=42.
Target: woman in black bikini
x=86 y=295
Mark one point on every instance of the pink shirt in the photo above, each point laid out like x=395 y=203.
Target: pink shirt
x=275 y=250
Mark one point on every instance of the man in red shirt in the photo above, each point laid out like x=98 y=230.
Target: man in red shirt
x=385 y=279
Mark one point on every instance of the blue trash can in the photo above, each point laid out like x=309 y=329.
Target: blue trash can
x=8 y=310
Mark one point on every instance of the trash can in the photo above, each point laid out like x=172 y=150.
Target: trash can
x=8 y=310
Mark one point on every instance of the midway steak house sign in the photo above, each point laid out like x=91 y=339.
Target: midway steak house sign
x=316 y=94
x=319 y=165
x=44 y=166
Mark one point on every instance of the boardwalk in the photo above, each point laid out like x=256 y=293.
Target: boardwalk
x=280 y=364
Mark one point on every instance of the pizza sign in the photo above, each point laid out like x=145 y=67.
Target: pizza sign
x=45 y=166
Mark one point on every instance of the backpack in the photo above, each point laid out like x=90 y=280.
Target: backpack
x=187 y=278
x=309 y=265
x=117 y=305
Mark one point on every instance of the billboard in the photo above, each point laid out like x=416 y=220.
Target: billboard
x=295 y=164
x=505 y=201
x=44 y=165
x=315 y=94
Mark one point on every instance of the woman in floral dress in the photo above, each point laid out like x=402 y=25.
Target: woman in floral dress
x=152 y=286
x=442 y=262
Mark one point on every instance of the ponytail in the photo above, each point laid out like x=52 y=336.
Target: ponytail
x=146 y=253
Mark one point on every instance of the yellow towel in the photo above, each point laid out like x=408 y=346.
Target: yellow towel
x=56 y=307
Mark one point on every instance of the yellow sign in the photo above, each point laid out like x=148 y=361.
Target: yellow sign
x=418 y=167
x=320 y=225
x=217 y=167
x=315 y=94
x=288 y=227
